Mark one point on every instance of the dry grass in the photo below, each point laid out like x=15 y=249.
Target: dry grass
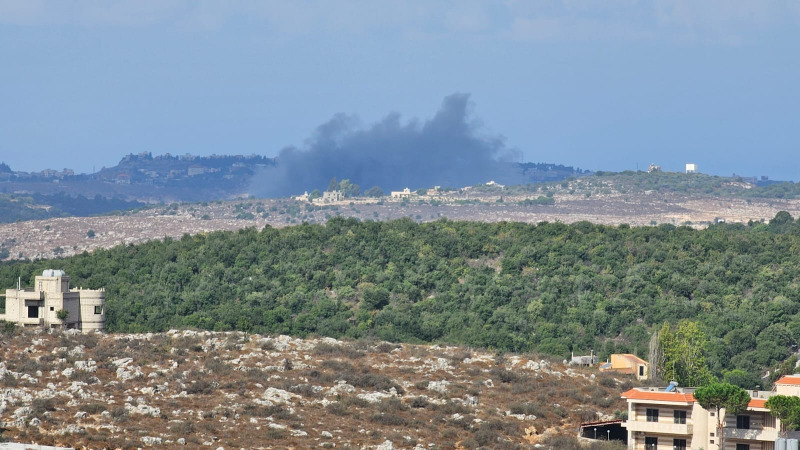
x=233 y=390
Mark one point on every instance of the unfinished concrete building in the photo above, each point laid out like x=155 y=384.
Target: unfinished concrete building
x=51 y=303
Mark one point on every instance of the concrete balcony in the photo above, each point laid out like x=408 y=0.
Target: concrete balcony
x=755 y=434
x=658 y=427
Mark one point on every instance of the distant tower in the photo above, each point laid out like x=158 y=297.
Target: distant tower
x=691 y=168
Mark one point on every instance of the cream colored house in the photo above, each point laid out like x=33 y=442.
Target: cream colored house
x=628 y=364
x=659 y=420
x=405 y=193
x=40 y=305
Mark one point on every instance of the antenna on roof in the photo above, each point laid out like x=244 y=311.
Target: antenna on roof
x=19 y=283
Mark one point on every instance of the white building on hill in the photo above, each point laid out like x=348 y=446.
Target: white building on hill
x=84 y=309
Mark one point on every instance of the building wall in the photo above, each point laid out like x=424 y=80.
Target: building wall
x=787 y=389
x=52 y=294
x=89 y=319
x=665 y=442
x=665 y=413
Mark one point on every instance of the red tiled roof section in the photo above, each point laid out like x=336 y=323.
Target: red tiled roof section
x=789 y=379
x=659 y=396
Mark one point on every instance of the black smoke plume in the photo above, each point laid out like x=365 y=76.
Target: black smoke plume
x=447 y=150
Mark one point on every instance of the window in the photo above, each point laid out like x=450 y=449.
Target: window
x=98 y=310
x=742 y=446
x=743 y=422
x=641 y=371
x=52 y=308
x=679 y=444
x=33 y=312
x=650 y=443
x=652 y=415
x=680 y=416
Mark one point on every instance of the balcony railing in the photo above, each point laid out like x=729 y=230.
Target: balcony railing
x=755 y=434
x=658 y=427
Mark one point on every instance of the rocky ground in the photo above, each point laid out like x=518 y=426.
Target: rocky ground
x=234 y=390
x=67 y=236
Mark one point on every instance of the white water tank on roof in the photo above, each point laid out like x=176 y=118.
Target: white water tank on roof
x=791 y=444
x=780 y=444
x=53 y=273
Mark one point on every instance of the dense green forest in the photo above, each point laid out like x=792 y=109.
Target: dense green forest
x=17 y=207
x=549 y=287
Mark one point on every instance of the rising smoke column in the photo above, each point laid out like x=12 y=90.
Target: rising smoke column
x=446 y=150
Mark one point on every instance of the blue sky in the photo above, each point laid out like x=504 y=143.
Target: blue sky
x=598 y=84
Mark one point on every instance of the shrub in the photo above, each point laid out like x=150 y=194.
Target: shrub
x=337 y=409
x=419 y=402
x=607 y=381
x=529 y=409
x=94 y=408
x=119 y=414
x=200 y=387
x=388 y=419
x=40 y=405
x=323 y=348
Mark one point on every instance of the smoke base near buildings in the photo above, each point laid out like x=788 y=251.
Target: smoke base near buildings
x=447 y=150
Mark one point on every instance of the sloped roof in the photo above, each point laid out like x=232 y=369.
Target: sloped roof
x=793 y=380
x=662 y=396
x=633 y=357
x=658 y=396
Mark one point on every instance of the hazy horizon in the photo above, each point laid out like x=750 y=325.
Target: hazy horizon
x=596 y=85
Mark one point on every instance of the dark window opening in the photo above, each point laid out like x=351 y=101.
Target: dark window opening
x=742 y=446
x=680 y=417
x=652 y=415
x=650 y=443
x=52 y=308
x=98 y=310
x=743 y=422
x=641 y=371
x=33 y=312
x=679 y=444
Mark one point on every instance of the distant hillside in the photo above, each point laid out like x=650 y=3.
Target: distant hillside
x=18 y=207
x=630 y=182
x=144 y=177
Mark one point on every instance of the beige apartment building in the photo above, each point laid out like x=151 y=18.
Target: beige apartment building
x=660 y=420
x=40 y=305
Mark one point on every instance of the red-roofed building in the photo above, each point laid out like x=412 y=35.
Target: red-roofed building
x=671 y=419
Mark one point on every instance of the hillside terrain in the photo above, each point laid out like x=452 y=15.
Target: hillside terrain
x=551 y=287
x=66 y=236
x=237 y=390
x=189 y=178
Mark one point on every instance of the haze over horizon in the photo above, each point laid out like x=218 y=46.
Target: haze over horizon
x=601 y=85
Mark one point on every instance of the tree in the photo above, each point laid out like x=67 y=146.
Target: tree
x=374 y=191
x=787 y=409
x=62 y=314
x=314 y=194
x=349 y=189
x=90 y=234
x=744 y=380
x=719 y=396
x=333 y=185
x=683 y=357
